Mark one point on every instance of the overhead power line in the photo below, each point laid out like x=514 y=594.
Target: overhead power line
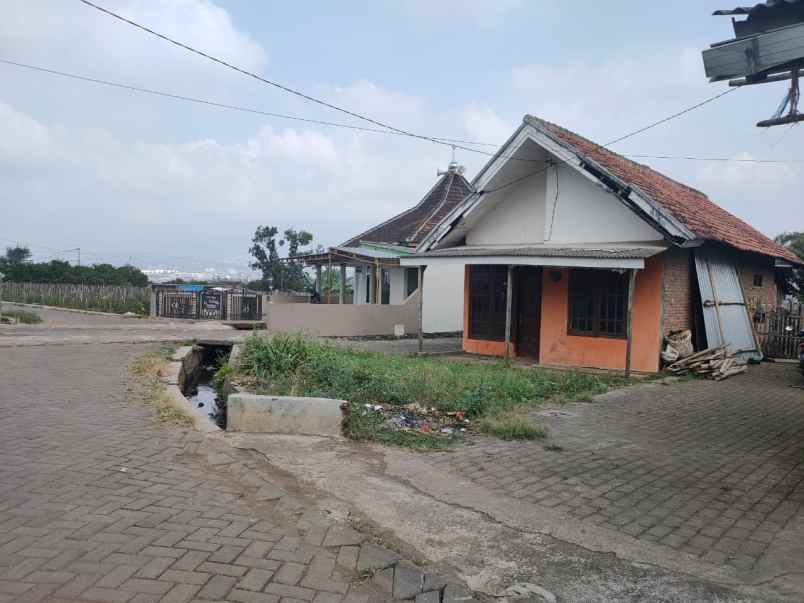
x=220 y=105
x=453 y=143
x=259 y=78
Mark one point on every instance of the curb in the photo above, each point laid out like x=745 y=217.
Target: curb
x=76 y=310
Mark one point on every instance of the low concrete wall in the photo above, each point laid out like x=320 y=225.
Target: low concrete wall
x=184 y=362
x=288 y=298
x=284 y=414
x=347 y=320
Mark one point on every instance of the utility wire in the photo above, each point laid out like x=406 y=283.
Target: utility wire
x=220 y=105
x=453 y=143
x=620 y=139
x=259 y=78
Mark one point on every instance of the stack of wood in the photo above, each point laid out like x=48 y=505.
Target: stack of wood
x=715 y=363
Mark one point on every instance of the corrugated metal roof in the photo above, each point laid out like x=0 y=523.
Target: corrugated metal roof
x=747 y=10
x=621 y=253
x=371 y=252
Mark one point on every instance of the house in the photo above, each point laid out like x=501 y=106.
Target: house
x=378 y=278
x=574 y=255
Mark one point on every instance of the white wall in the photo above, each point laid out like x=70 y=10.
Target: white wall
x=515 y=216
x=584 y=213
x=442 y=309
x=397 y=275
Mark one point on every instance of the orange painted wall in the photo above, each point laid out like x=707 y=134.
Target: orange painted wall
x=557 y=347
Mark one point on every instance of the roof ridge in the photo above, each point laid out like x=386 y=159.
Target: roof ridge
x=691 y=207
x=397 y=216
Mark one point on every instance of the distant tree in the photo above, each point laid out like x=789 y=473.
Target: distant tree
x=58 y=271
x=277 y=274
x=17 y=255
x=794 y=241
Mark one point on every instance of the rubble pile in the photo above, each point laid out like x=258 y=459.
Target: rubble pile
x=716 y=363
x=414 y=417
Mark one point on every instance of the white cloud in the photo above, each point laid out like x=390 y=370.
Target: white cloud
x=484 y=13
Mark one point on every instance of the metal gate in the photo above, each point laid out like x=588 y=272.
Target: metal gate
x=206 y=303
x=725 y=314
x=780 y=331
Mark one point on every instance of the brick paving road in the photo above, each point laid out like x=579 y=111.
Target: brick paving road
x=99 y=504
x=711 y=469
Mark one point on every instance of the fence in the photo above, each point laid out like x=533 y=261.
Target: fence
x=103 y=298
x=779 y=330
x=198 y=302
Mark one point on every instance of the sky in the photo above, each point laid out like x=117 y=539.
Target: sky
x=133 y=177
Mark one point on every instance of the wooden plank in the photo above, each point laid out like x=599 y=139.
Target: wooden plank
x=509 y=298
x=629 y=317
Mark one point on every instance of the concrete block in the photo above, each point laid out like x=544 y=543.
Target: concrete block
x=284 y=414
x=374 y=557
x=407 y=581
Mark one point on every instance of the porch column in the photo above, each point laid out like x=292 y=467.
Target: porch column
x=509 y=298
x=375 y=289
x=318 y=279
x=419 y=310
x=628 y=320
x=342 y=284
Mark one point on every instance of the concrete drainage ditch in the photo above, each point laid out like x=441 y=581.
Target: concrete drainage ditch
x=221 y=406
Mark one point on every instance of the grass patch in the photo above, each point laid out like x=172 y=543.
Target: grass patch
x=512 y=426
x=295 y=365
x=145 y=386
x=22 y=316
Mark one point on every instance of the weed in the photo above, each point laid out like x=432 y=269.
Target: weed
x=22 y=316
x=512 y=426
x=295 y=365
x=553 y=447
x=145 y=385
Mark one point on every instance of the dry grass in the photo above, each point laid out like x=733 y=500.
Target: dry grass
x=145 y=386
x=512 y=426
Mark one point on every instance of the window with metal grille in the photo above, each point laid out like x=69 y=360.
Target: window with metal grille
x=597 y=303
x=487 y=285
x=757 y=280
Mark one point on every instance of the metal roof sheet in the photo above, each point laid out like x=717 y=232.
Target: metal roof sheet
x=619 y=252
x=747 y=10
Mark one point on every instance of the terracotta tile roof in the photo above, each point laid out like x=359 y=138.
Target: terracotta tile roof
x=691 y=207
x=411 y=226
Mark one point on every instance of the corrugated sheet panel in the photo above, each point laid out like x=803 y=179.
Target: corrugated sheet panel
x=725 y=315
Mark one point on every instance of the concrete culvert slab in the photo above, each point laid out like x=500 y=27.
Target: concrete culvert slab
x=284 y=414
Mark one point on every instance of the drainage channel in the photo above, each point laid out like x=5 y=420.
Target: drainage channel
x=208 y=397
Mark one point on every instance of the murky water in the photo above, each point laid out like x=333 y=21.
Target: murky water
x=205 y=401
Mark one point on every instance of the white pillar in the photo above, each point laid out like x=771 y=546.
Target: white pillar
x=421 y=302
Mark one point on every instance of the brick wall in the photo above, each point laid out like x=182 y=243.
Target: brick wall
x=751 y=266
x=677 y=290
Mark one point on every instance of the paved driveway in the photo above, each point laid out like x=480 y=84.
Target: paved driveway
x=97 y=503
x=711 y=469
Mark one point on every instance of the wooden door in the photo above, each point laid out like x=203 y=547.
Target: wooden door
x=528 y=289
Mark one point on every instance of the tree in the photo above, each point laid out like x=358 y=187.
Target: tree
x=277 y=274
x=17 y=255
x=794 y=241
